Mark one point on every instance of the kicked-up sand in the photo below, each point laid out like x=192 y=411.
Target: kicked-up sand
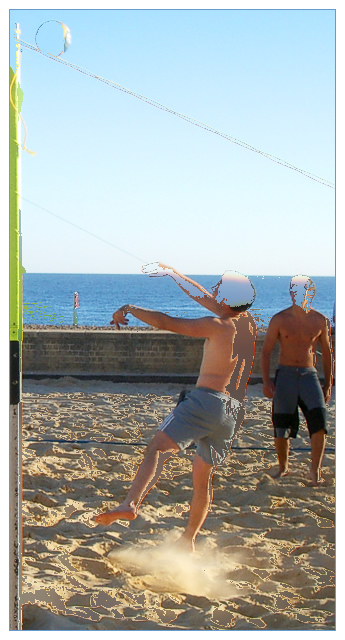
x=264 y=559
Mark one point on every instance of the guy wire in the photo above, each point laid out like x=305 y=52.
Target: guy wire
x=197 y=123
x=85 y=231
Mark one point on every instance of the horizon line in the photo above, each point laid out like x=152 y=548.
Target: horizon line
x=78 y=273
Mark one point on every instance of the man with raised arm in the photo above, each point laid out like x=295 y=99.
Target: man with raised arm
x=298 y=330
x=211 y=413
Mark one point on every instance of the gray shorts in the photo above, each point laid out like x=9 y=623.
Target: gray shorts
x=209 y=418
x=297 y=387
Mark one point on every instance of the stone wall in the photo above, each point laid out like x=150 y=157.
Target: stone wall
x=120 y=354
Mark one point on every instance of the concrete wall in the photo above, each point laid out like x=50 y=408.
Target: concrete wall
x=121 y=354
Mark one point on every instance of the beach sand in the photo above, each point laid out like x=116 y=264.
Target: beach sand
x=264 y=558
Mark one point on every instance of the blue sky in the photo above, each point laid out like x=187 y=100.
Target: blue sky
x=157 y=186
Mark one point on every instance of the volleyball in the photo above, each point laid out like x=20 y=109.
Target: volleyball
x=53 y=38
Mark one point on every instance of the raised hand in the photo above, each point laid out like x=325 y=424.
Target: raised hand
x=119 y=317
x=156 y=269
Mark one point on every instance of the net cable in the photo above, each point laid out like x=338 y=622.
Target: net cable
x=197 y=123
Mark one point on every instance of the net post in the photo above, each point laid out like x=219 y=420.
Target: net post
x=16 y=337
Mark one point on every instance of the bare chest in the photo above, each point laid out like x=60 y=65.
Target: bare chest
x=304 y=332
x=220 y=349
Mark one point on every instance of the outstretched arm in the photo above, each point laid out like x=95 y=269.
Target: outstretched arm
x=189 y=286
x=199 y=328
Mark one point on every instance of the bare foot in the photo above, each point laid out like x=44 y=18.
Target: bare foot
x=316 y=479
x=281 y=473
x=123 y=512
x=185 y=544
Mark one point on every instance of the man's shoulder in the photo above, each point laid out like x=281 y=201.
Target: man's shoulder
x=243 y=322
x=252 y=326
x=318 y=316
x=248 y=315
x=216 y=323
x=281 y=315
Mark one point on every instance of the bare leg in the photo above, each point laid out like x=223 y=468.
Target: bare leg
x=318 y=442
x=282 y=448
x=157 y=452
x=201 y=501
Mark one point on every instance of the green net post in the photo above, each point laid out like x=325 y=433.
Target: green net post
x=16 y=321
x=16 y=337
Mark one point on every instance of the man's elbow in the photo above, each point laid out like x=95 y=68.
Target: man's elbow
x=266 y=353
x=163 y=323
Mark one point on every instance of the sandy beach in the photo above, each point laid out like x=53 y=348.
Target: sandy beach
x=264 y=558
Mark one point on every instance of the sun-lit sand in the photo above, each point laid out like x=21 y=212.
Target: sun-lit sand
x=264 y=558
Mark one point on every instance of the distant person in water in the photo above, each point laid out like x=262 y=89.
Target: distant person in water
x=298 y=330
x=211 y=413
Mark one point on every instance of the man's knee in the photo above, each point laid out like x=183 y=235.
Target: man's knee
x=318 y=434
x=281 y=440
x=201 y=469
x=161 y=442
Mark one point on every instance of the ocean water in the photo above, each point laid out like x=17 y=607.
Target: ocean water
x=48 y=298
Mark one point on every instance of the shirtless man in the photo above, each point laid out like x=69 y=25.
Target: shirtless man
x=298 y=330
x=213 y=411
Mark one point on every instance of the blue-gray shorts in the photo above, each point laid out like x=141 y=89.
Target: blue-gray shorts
x=297 y=387
x=209 y=418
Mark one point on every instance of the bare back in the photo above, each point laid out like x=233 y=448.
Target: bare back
x=228 y=356
x=298 y=336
